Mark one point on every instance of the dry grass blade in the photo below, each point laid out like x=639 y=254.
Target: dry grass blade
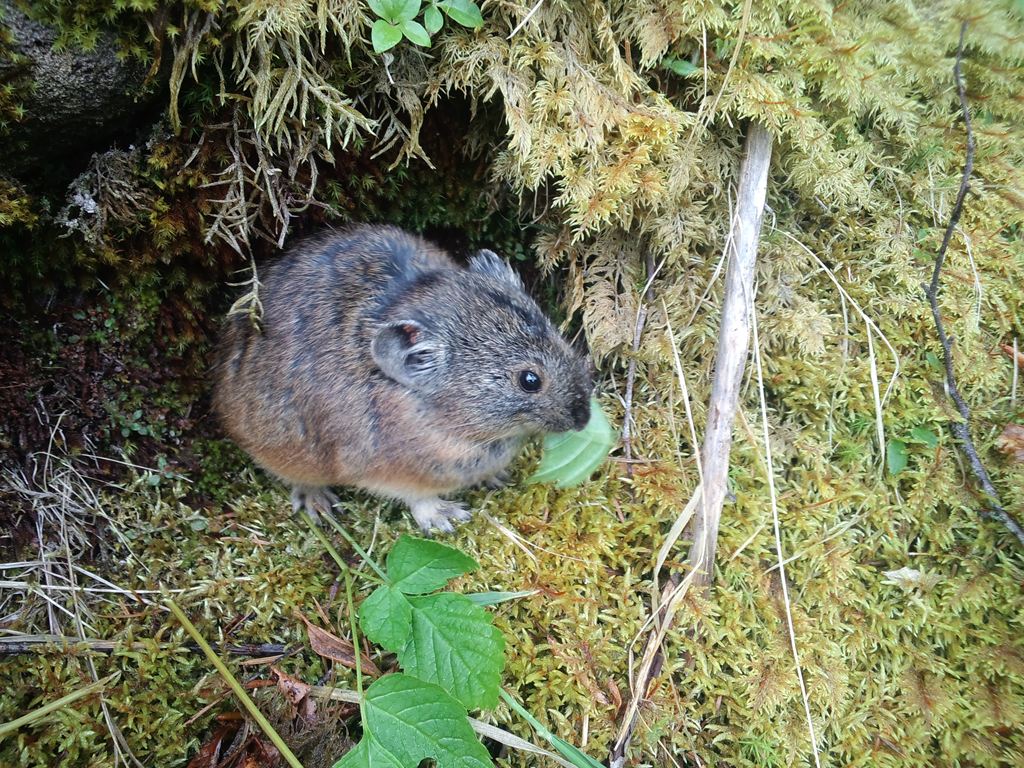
x=781 y=562
x=650 y=665
x=691 y=507
x=638 y=328
x=527 y=547
x=66 y=505
x=871 y=327
x=526 y=19
x=1016 y=372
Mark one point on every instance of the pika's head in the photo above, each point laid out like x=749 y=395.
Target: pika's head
x=471 y=343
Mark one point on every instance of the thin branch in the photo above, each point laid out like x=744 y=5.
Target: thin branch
x=962 y=429
x=10 y=646
x=713 y=460
x=733 y=346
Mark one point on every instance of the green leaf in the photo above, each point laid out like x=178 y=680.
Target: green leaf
x=493 y=598
x=454 y=644
x=386 y=617
x=896 y=456
x=384 y=36
x=406 y=721
x=934 y=361
x=681 y=67
x=416 y=566
x=408 y=9
x=368 y=753
x=926 y=436
x=432 y=20
x=465 y=12
x=415 y=32
x=395 y=11
x=571 y=457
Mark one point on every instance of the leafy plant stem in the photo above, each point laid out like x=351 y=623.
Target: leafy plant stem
x=235 y=686
x=355 y=545
x=355 y=639
x=325 y=541
x=6 y=729
x=571 y=753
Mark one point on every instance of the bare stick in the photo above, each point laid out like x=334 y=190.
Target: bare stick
x=962 y=429
x=10 y=646
x=733 y=339
x=733 y=345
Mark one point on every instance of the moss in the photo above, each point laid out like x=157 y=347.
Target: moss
x=584 y=161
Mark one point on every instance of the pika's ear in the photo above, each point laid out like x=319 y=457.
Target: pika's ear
x=489 y=263
x=405 y=352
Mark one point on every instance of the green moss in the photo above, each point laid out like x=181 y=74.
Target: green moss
x=584 y=162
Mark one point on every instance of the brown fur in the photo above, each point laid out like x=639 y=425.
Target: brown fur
x=385 y=366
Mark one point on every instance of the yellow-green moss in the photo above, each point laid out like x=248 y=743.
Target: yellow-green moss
x=610 y=157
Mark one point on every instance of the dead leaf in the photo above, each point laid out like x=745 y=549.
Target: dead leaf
x=616 y=696
x=330 y=646
x=1017 y=356
x=209 y=754
x=259 y=754
x=1011 y=442
x=911 y=578
x=296 y=693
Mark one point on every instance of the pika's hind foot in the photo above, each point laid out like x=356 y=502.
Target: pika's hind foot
x=315 y=500
x=438 y=514
x=498 y=480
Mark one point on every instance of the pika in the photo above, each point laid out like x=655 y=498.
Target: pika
x=382 y=364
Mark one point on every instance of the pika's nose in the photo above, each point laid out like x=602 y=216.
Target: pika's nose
x=580 y=414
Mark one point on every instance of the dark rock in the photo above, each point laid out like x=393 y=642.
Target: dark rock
x=79 y=101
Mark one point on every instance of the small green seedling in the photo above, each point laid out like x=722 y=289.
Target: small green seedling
x=397 y=19
x=897 y=451
x=896 y=456
x=570 y=458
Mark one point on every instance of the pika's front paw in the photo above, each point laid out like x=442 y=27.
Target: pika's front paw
x=438 y=514
x=316 y=501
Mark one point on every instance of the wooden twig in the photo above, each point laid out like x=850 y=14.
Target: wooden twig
x=40 y=643
x=733 y=340
x=962 y=429
x=733 y=346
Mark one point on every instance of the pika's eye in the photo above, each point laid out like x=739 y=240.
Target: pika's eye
x=529 y=381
